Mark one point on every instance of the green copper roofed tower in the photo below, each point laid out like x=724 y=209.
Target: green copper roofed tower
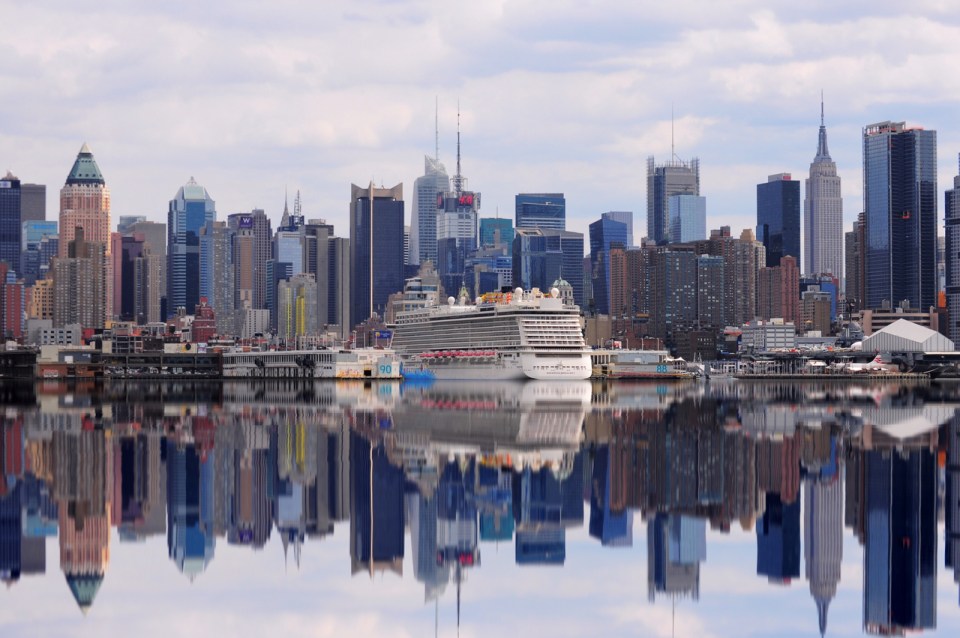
x=85 y=169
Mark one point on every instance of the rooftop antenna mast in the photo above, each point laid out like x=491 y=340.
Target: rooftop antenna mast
x=458 y=180
x=821 y=107
x=673 y=153
x=436 y=128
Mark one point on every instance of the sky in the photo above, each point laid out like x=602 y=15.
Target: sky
x=257 y=99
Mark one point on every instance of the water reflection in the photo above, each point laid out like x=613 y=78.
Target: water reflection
x=455 y=466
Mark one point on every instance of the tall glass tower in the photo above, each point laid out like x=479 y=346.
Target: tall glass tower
x=189 y=211
x=900 y=202
x=423 y=218
x=675 y=177
x=952 y=256
x=541 y=210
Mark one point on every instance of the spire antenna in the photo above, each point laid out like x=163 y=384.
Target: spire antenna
x=458 y=180
x=436 y=128
x=821 y=107
x=673 y=154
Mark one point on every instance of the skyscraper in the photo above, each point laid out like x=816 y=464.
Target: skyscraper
x=952 y=253
x=604 y=234
x=85 y=203
x=541 y=257
x=189 y=211
x=376 y=249
x=823 y=541
x=81 y=284
x=494 y=230
x=10 y=222
x=457 y=229
x=423 y=219
x=624 y=217
x=900 y=202
x=823 y=214
x=675 y=177
x=854 y=243
x=541 y=210
x=33 y=202
x=778 y=218
x=688 y=218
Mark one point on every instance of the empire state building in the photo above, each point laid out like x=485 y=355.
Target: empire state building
x=823 y=213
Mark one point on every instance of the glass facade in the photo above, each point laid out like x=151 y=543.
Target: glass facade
x=376 y=239
x=541 y=257
x=10 y=227
x=673 y=178
x=604 y=233
x=688 y=218
x=778 y=218
x=900 y=201
x=189 y=211
x=541 y=210
x=489 y=227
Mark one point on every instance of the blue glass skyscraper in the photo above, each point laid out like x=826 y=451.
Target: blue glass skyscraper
x=541 y=210
x=778 y=218
x=900 y=204
x=376 y=249
x=189 y=211
x=604 y=233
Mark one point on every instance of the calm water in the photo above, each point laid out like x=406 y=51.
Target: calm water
x=538 y=509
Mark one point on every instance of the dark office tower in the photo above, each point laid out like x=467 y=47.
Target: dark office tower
x=778 y=218
x=604 y=234
x=611 y=525
x=33 y=202
x=900 y=200
x=376 y=249
x=376 y=509
x=541 y=257
x=952 y=256
x=189 y=211
x=316 y=261
x=900 y=541
x=423 y=215
x=495 y=231
x=951 y=504
x=822 y=214
x=10 y=222
x=675 y=177
x=854 y=242
x=11 y=534
x=130 y=277
x=541 y=210
x=778 y=540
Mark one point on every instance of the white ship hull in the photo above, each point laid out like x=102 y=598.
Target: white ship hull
x=526 y=366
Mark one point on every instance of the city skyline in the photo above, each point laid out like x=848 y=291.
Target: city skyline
x=742 y=117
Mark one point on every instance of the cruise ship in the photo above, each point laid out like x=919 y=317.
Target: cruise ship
x=518 y=335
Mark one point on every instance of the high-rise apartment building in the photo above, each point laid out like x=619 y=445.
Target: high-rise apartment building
x=376 y=249
x=778 y=218
x=541 y=210
x=952 y=257
x=423 y=219
x=216 y=274
x=251 y=252
x=900 y=202
x=823 y=214
x=854 y=243
x=778 y=291
x=675 y=177
x=81 y=284
x=153 y=267
x=189 y=211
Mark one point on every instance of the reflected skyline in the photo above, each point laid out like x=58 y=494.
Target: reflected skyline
x=437 y=473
